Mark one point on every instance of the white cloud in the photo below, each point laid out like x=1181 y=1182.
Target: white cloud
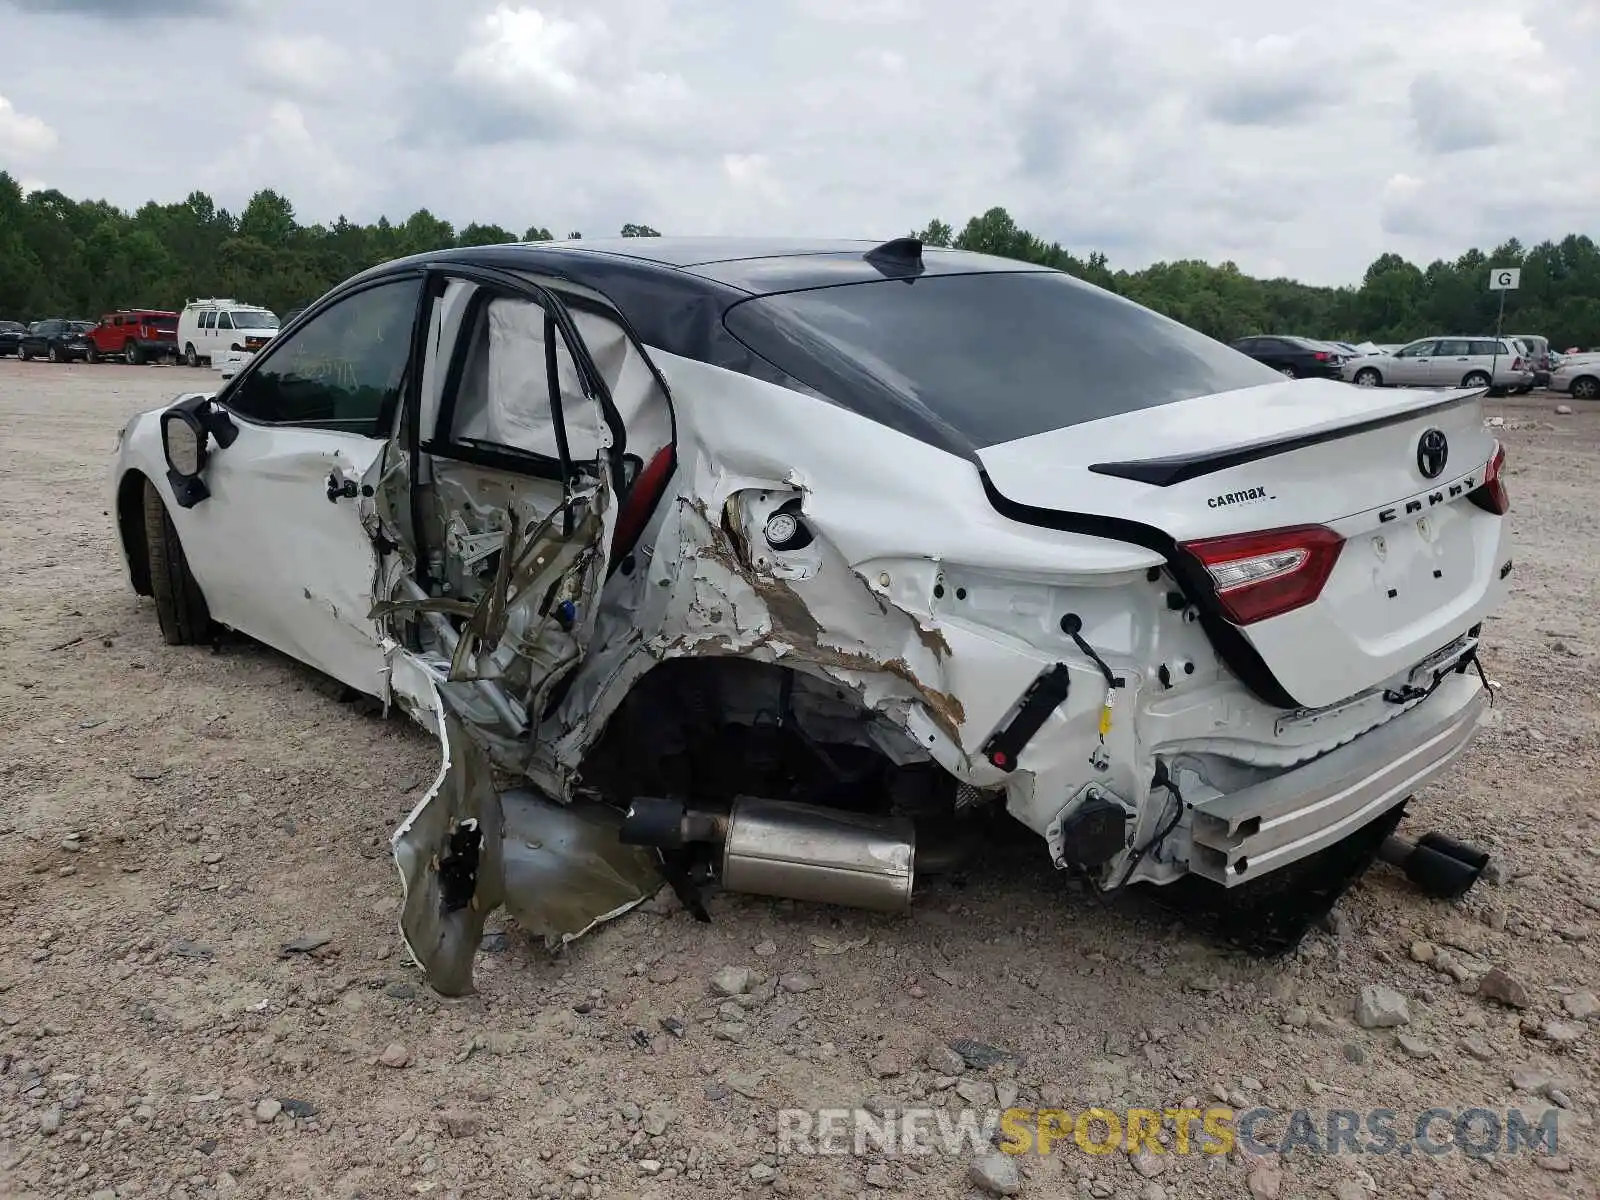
x=280 y=144
x=308 y=66
x=534 y=75
x=22 y=135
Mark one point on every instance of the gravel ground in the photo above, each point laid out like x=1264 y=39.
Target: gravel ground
x=172 y=818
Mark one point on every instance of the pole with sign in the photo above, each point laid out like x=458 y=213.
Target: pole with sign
x=1502 y=280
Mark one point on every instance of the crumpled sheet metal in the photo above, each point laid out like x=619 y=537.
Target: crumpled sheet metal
x=559 y=870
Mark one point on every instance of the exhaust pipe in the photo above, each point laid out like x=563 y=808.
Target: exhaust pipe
x=1443 y=868
x=792 y=851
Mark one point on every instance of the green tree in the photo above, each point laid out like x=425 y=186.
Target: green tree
x=66 y=257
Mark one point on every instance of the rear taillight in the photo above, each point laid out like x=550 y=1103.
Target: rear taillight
x=1320 y=355
x=1261 y=575
x=1491 y=494
x=1516 y=364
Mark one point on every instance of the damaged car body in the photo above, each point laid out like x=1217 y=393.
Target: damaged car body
x=771 y=565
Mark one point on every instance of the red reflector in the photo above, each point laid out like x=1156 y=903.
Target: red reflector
x=1261 y=575
x=1491 y=494
x=641 y=501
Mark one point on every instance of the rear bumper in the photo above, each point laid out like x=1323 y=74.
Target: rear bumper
x=1246 y=834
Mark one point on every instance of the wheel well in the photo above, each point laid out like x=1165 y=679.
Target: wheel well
x=716 y=727
x=130 y=528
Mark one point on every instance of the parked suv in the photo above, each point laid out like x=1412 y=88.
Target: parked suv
x=1445 y=362
x=137 y=334
x=11 y=337
x=57 y=340
x=1296 y=357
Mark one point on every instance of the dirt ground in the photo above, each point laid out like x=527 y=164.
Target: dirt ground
x=171 y=818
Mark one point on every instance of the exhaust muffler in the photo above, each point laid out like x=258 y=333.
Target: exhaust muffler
x=789 y=850
x=1443 y=868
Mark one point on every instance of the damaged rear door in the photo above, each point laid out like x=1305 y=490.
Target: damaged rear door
x=500 y=494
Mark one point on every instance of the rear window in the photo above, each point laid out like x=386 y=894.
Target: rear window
x=170 y=323
x=985 y=359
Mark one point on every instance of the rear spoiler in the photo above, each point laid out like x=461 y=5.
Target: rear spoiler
x=1177 y=468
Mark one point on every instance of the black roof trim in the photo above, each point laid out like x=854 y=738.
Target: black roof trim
x=1178 y=468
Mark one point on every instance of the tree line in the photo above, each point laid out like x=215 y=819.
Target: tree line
x=80 y=258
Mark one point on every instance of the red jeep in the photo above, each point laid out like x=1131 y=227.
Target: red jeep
x=137 y=334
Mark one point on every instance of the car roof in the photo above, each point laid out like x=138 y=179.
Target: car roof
x=751 y=265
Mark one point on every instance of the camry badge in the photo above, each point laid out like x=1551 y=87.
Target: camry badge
x=1433 y=451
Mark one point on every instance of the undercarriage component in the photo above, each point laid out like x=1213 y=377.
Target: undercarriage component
x=1092 y=834
x=1442 y=867
x=1270 y=915
x=794 y=851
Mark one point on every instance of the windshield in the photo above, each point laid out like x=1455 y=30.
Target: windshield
x=968 y=361
x=79 y=326
x=254 y=318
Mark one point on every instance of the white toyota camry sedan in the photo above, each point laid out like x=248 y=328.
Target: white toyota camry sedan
x=771 y=566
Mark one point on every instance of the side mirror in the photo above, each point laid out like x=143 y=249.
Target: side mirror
x=183 y=440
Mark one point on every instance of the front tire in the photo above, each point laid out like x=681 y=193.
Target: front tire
x=190 y=358
x=1368 y=377
x=54 y=354
x=1475 y=379
x=1586 y=388
x=1287 y=372
x=92 y=354
x=180 y=605
x=133 y=354
x=26 y=355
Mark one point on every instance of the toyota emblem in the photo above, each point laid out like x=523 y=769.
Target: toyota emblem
x=1433 y=451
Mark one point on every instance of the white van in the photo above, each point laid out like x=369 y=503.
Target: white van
x=209 y=327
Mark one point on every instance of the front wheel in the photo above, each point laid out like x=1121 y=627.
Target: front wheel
x=26 y=355
x=1368 y=377
x=1586 y=388
x=1287 y=372
x=190 y=358
x=133 y=354
x=92 y=354
x=180 y=605
x=1475 y=379
x=54 y=354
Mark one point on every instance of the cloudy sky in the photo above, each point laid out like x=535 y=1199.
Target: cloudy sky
x=1298 y=144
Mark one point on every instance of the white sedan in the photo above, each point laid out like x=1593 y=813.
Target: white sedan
x=768 y=564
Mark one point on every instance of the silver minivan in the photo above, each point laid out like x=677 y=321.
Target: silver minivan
x=1445 y=362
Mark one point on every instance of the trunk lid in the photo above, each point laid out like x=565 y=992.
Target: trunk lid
x=1416 y=563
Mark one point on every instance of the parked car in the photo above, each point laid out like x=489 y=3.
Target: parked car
x=1444 y=362
x=1578 y=375
x=11 y=337
x=58 y=340
x=1295 y=357
x=136 y=335
x=1538 y=356
x=800 y=586
x=208 y=326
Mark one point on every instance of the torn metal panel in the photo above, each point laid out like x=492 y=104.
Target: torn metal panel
x=467 y=849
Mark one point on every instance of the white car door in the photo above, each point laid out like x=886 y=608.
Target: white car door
x=528 y=418
x=1412 y=363
x=277 y=545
